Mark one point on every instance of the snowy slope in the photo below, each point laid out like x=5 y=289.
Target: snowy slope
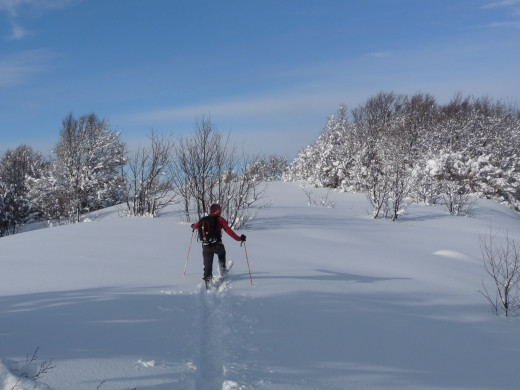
x=340 y=301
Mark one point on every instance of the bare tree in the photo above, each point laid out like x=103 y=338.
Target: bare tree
x=323 y=201
x=396 y=151
x=456 y=197
x=207 y=169
x=149 y=186
x=30 y=371
x=199 y=164
x=399 y=188
x=241 y=194
x=378 y=189
x=502 y=264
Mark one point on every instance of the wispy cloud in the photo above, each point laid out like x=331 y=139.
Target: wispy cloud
x=503 y=3
x=10 y=6
x=13 y=6
x=15 y=10
x=512 y=7
x=19 y=69
x=513 y=24
x=17 y=32
x=281 y=104
x=379 y=54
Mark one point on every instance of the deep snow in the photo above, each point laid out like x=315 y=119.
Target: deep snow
x=340 y=301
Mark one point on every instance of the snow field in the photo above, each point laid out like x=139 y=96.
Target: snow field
x=340 y=301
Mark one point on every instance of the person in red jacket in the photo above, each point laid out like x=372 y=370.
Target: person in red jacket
x=209 y=250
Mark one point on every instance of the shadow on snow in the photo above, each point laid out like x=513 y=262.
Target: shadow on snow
x=302 y=340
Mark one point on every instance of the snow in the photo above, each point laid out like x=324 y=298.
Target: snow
x=340 y=301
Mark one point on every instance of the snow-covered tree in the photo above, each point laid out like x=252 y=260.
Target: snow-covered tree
x=15 y=169
x=399 y=149
x=326 y=162
x=268 y=168
x=7 y=210
x=86 y=173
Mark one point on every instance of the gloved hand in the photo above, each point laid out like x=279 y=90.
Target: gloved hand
x=243 y=237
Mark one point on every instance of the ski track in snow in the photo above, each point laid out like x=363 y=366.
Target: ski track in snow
x=214 y=323
x=210 y=360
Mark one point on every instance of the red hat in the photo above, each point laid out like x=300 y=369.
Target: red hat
x=214 y=208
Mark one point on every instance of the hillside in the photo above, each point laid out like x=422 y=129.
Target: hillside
x=340 y=301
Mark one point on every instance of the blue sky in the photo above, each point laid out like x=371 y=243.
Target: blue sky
x=271 y=72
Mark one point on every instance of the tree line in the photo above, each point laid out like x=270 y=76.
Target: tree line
x=402 y=149
x=91 y=168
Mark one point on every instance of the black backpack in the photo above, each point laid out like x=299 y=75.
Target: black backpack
x=208 y=230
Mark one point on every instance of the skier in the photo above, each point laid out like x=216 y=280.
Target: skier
x=214 y=245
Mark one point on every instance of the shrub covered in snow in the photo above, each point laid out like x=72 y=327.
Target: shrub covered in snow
x=399 y=149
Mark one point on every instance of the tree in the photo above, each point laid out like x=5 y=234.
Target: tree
x=328 y=161
x=377 y=186
x=386 y=153
x=86 y=173
x=208 y=169
x=7 y=212
x=268 y=168
x=149 y=185
x=399 y=176
x=241 y=193
x=15 y=168
x=199 y=164
x=400 y=149
x=502 y=264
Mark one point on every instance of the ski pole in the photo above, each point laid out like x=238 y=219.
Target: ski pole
x=247 y=259
x=189 y=250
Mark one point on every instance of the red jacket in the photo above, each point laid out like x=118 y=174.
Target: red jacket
x=221 y=224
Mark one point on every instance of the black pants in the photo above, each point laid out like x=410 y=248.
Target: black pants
x=208 y=252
